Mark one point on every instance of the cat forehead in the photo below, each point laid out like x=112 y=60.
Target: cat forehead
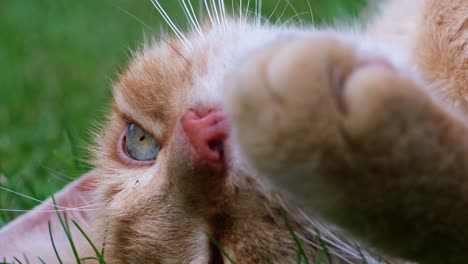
x=174 y=72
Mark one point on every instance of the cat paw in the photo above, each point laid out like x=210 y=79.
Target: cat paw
x=357 y=140
x=317 y=94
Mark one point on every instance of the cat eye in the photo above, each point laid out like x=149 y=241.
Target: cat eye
x=140 y=145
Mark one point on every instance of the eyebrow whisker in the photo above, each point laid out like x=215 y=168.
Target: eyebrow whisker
x=215 y=11
x=208 y=11
x=193 y=19
x=178 y=52
x=134 y=17
x=171 y=24
x=273 y=12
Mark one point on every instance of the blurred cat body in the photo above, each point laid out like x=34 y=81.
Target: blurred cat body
x=171 y=210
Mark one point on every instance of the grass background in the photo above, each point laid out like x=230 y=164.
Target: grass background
x=57 y=61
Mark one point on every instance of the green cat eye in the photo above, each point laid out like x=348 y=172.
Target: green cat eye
x=140 y=145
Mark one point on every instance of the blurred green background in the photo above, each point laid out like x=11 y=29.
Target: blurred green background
x=57 y=61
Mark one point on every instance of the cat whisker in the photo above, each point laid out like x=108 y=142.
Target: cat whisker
x=311 y=12
x=337 y=250
x=34 y=199
x=281 y=15
x=85 y=206
x=258 y=11
x=315 y=244
x=215 y=11
x=255 y=12
x=177 y=51
x=47 y=211
x=332 y=248
x=192 y=19
x=171 y=24
x=232 y=8
x=222 y=8
x=260 y=19
x=273 y=12
x=240 y=10
x=335 y=253
x=63 y=177
x=326 y=233
x=195 y=17
x=296 y=16
x=292 y=6
x=208 y=11
x=247 y=9
x=330 y=238
x=60 y=179
x=133 y=16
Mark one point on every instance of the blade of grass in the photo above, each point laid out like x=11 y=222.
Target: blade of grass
x=67 y=232
x=219 y=247
x=319 y=258
x=96 y=251
x=324 y=247
x=301 y=251
x=104 y=240
x=65 y=219
x=18 y=260
x=53 y=243
x=41 y=260
x=26 y=258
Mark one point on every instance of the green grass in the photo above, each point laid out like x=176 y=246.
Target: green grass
x=57 y=61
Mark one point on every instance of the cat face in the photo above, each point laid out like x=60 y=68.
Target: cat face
x=166 y=209
x=198 y=189
x=170 y=180
x=172 y=185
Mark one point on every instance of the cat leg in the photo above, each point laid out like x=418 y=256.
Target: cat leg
x=358 y=141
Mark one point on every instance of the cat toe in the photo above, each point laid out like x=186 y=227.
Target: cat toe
x=377 y=96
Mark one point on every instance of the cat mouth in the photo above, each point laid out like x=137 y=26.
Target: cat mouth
x=218 y=146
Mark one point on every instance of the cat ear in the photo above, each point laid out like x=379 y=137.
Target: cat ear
x=30 y=236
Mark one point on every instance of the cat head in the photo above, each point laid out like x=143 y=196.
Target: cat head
x=171 y=177
x=170 y=183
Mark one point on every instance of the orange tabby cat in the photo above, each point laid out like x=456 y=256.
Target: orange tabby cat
x=366 y=127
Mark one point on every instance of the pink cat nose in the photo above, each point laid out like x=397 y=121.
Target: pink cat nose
x=206 y=130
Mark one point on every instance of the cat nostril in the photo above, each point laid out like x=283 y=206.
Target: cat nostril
x=206 y=130
x=217 y=145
